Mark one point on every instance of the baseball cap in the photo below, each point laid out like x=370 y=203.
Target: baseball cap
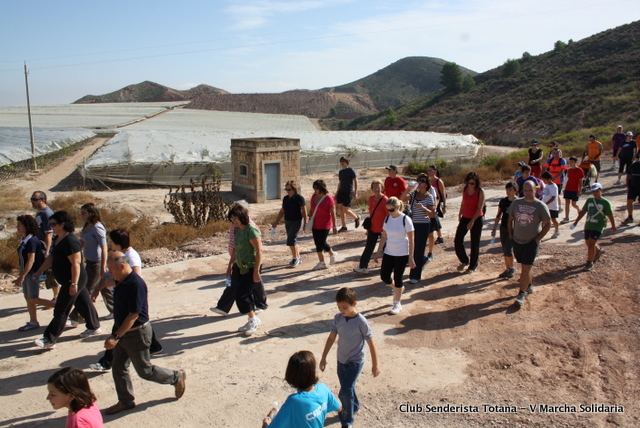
x=596 y=186
x=630 y=134
x=534 y=143
x=393 y=167
x=521 y=163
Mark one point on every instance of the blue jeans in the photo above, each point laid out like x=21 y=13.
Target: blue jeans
x=347 y=375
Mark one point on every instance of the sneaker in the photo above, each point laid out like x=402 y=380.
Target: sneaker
x=342 y=229
x=470 y=270
x=413 y=281
x=97 y=367
x=588 y=266
x=44 y=343
x=617 y=183
x=90 y=332
x=520 y=299
x=108 y=317
x=295 y=262
x=529 y=289
x=397 y=307
x=599 y=253
x=555 y=235
x=71 y=323
x=361 y=270
x=252 y=326
x=440 y=240
x=244 y=327
x=357 y=222
x=29 y=326
x=428 y=259
x=258 y=310
x=320 y=265
x=462 y=267
x=627 y=220
x=332 y=258
x=508 y=273
x=219 y=312
x=565 y=220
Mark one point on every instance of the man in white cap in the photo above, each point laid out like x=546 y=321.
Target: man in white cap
x=597 y=209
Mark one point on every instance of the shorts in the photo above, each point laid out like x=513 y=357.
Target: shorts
x=30 y=287
x=625 y=164
x=344 y=199
x=554 y=213
x=592 y=234
x=435 y=224
x=571 y=195
x=615 y=152
x=596 y=164
x=506 y=242
x=293 y=228
x=633 y=193
x=526 y=253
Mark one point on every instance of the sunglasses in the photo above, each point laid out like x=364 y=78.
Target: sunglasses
x=288 y=189
x=53 y=223
x=473 y=183
x=35 y=199
x=391 y=209
x=423 y=181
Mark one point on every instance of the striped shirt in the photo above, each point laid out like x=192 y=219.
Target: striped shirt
x=418 y=215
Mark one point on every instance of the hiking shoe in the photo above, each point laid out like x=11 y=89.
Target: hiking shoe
x=29 y=326
x=440 y=240
x=44 y=343
x=342 y=229
x=71 y=324
x=252 y=326
x=508 y=273
x=599 y=254
x=295 y=262
x=588 y=266
x=332 y=258
x=357 y=222
x=627 y=220
x=462 y=267
x=555 y=235
x=90 y=332
x=180 y=385
x=219 y=312
x=520 y=299
x=565 y=220
x=529 y=289
x=413 y=281
x=99 y=368
x=320 y=265
x=361 y=270
x=397 y=307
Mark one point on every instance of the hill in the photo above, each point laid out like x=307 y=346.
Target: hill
x=399 y=83
x=577 y=85
x=149 y=92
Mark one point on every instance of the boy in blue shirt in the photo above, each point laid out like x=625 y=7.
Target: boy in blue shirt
x=352 y=330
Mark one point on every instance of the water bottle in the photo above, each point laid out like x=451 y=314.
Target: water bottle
x=228 y=282
x=273 y=231
x=42 y=278
x=413 y=183
x=493 y=240
x=573 y=226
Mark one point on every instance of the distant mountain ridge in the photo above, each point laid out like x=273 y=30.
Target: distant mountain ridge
x=149 y=92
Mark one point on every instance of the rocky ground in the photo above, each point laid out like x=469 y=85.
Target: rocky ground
x=460 y=354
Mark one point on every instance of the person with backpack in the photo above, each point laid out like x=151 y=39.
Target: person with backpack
x=557 y=167
x=31 y=253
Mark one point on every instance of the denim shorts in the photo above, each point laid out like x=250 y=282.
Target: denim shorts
x=31 y=287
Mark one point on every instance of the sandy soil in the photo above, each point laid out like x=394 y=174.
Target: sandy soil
x=459 y=340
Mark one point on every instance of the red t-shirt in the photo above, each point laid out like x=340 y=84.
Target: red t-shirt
x=574 y=179
x=323 y=219
x=394 y=186
x=470 y=203
x=380 y=213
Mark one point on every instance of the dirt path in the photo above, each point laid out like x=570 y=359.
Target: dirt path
x=459 y=340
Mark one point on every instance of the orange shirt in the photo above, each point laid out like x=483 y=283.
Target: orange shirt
x=592 y=150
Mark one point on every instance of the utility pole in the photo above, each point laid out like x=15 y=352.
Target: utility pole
x=33 y=142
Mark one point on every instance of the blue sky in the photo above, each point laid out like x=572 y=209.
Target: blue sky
x=74 y=48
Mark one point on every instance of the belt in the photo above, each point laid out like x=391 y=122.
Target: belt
x=138 y=327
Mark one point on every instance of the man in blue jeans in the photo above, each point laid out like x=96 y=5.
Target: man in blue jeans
x=131 y=336
x=352 y=330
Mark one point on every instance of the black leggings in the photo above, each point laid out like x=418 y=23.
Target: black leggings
x=461 y=232
x=63 y=306
x=395 y=265
x=372 y=239
x=320 y=239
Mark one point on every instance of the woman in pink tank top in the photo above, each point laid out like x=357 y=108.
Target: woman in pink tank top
x=470 y=218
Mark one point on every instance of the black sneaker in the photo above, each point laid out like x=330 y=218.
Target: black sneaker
x=357 y=222
x=440 y=240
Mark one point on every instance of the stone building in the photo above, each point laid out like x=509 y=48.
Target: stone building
x=261 y=166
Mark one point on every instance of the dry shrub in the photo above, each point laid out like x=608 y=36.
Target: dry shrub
x=10 y=200
x=71 y=203
x=269 y=219
x=198 y=207
x=9 y=253
x=171 y=236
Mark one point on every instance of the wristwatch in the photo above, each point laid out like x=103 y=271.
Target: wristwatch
x=73 y=283
x=115 y=336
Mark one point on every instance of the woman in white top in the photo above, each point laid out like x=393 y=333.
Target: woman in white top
x=397 y=244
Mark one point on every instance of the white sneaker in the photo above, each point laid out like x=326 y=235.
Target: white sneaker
x=361 y=270
x=320 y=265
x=413 y=281
x=253 y=326
x=294 y=262
x=90 y=332
x=332 y=258
x=97 y=367
x=555 y=235
x=71 y=323
x=397 y=307
x=44 y=343
x=244 y=327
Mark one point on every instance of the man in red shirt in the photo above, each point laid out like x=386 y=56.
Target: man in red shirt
x=572 y=190
x=394 y=185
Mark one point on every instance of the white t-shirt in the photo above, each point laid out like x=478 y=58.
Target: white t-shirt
x=134 y=258
x=397 y=239
x=551 y=190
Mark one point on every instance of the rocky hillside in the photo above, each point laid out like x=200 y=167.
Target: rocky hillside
x=577 y=85
x=149 y=92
